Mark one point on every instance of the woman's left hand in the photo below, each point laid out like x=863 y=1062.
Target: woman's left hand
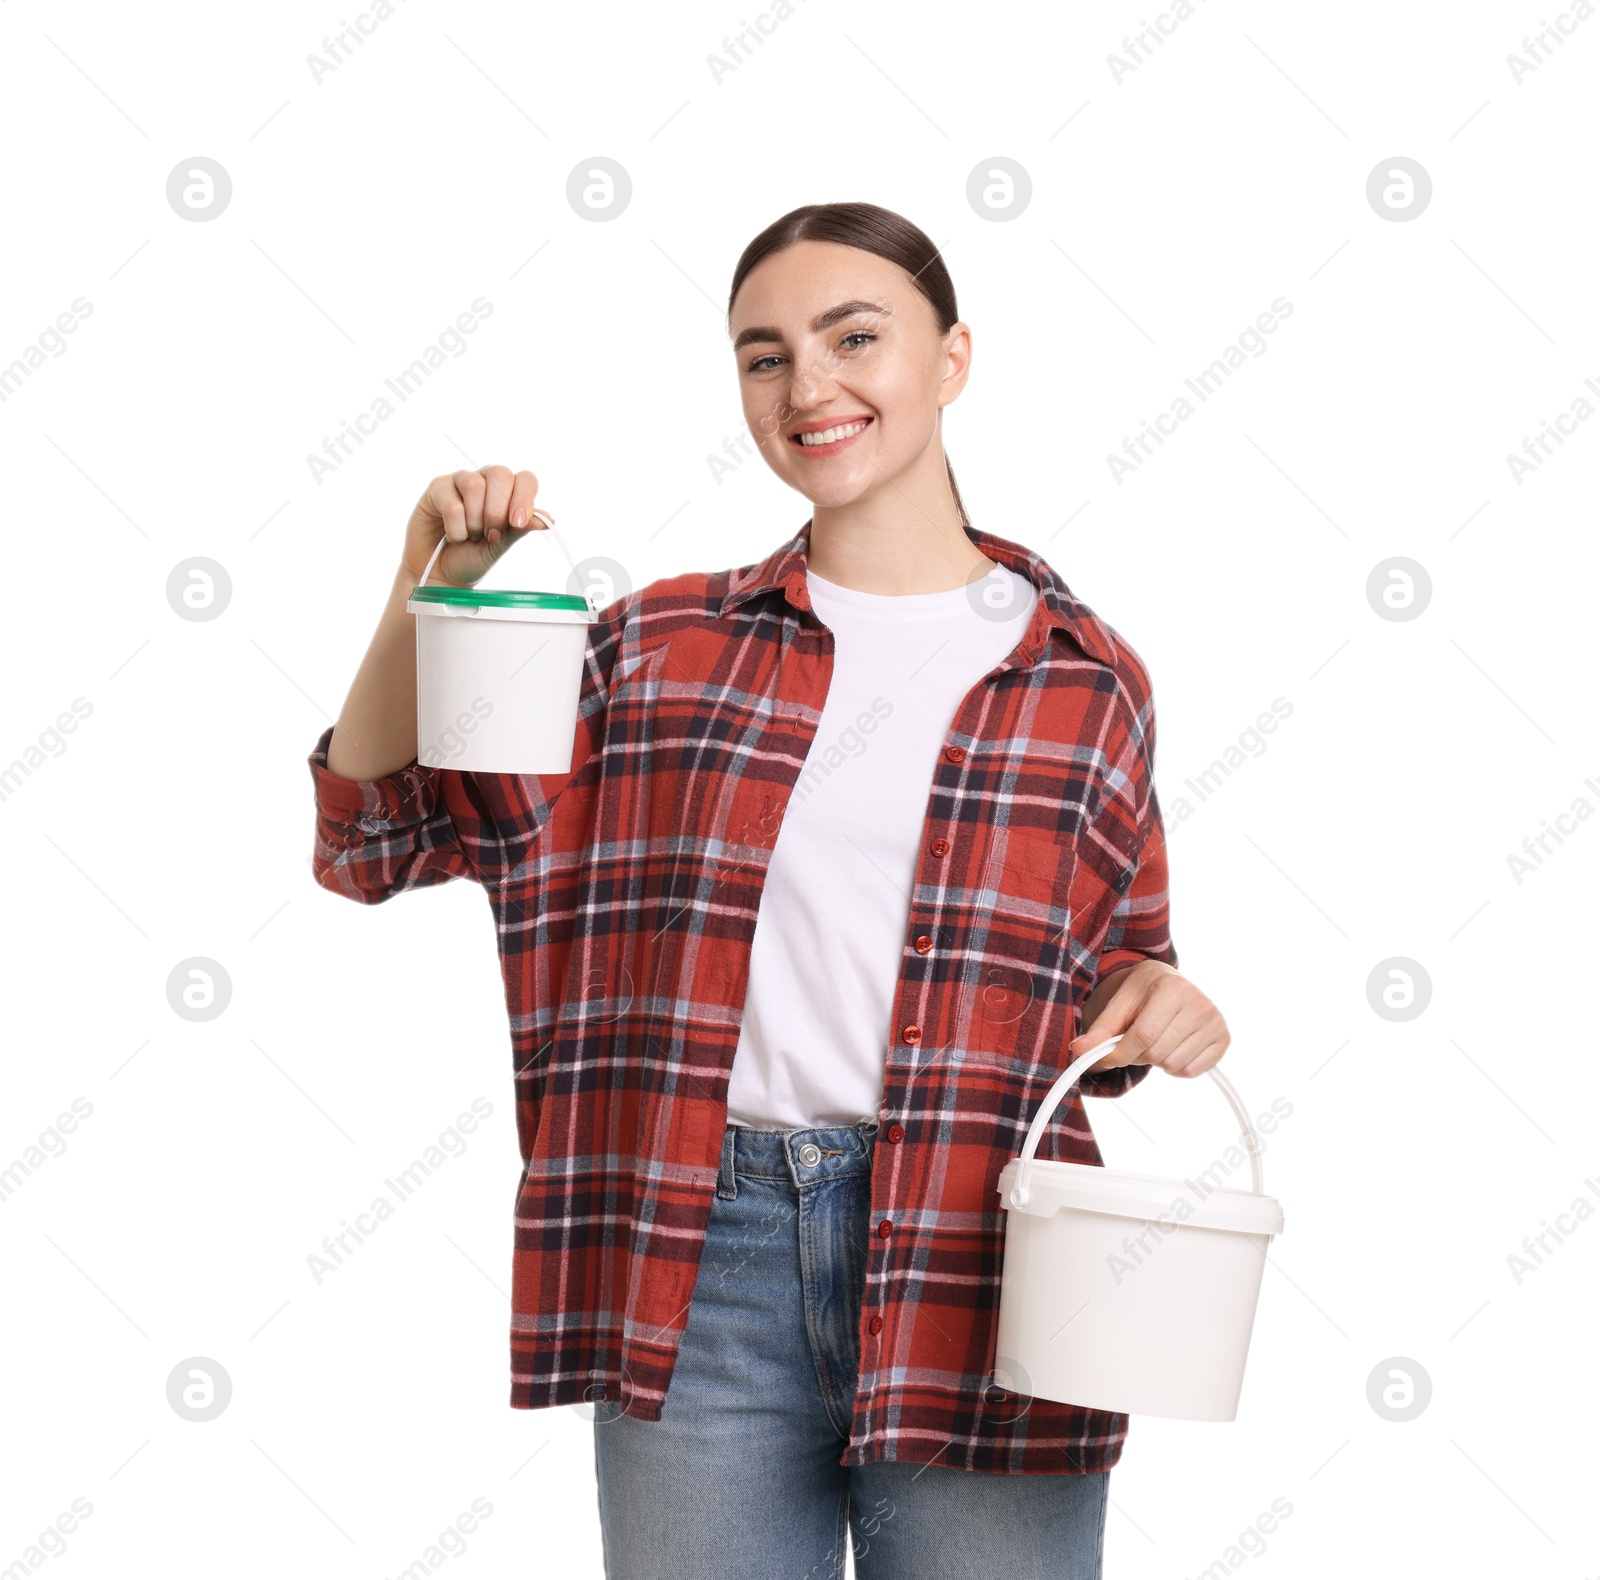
x=1164 y=1018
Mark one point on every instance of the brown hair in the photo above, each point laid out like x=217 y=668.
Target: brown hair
x=872 y=229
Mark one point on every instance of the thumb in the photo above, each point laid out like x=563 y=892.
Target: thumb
x=1115 y=1020
x=498 y=540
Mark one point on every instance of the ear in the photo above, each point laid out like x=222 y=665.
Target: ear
x=957 y=347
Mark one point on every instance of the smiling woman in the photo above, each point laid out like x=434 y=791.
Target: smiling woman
x=856 y=839
x=886 y=346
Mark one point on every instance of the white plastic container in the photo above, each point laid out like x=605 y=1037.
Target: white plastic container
x=1129 y=1292
x=499 y=676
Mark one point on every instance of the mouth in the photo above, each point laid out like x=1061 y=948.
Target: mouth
x=817 y=440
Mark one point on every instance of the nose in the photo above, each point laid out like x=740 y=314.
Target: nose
x=811 y=385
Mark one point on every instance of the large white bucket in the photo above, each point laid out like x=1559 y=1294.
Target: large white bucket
x=1129 y=1292
x=499 y=675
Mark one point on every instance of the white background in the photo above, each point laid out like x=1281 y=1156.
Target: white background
x=369 y=1410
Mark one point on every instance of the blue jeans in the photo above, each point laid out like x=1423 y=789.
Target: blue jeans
x=740 y=1478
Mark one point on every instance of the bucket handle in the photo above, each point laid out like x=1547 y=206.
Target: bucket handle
x=438 y=548
x=1052 y=1100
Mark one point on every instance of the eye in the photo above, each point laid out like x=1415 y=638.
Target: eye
x=855 y=340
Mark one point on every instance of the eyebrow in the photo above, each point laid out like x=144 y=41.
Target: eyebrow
x=822 y=321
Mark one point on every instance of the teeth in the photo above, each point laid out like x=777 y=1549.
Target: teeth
x=830 y=435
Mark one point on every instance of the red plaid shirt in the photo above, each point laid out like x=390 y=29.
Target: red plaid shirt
x=624 y=895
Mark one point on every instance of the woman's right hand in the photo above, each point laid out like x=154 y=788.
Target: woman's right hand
x=481 y=513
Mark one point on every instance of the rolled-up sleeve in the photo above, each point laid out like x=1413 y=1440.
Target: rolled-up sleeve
x=424 y=825
x=375 y=837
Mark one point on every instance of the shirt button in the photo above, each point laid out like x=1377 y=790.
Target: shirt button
x=896 y=1132
x=924 y=944
x=885 y=1229
x=876 y=1325
x=954 y=753
x=912 y=1034
x=940 y=847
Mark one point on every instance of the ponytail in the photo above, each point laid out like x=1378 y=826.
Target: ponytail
x=961 y=509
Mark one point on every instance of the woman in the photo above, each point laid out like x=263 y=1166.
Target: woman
x=855 y=838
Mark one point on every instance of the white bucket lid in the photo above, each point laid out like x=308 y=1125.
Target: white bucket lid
x=1152 y=1197
x=476 y=603
x=500 y=603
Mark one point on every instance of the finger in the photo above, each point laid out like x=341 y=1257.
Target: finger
x=1156 y=1029
x=445 y=502
x=1174 y=1046
x=524 y=488
x=497 y=482
x=471 y=487
x=1113 y=1060
x=1105 y=1027
x=1197 y=1055
x=1130 y=1050
x=1178 y=1058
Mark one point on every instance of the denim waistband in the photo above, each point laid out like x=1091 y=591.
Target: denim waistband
x=799 y=1157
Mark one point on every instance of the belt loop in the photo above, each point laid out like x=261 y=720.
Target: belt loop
x=726 y=1185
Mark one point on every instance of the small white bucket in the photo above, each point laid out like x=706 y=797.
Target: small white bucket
x=499 y=676
x=1129 y=1292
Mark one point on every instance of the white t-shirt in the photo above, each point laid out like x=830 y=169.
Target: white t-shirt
x=831 y=929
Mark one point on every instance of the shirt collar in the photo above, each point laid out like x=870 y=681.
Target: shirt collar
x=785 y=568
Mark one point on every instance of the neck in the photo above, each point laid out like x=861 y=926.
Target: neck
x=903 y=538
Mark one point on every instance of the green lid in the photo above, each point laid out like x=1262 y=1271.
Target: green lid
x=496 y=598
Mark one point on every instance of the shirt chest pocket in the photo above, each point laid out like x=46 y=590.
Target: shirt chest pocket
x=1030 y=873
x=1069 y=886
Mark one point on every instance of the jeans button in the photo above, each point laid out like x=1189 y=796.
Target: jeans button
x=810 y=1154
